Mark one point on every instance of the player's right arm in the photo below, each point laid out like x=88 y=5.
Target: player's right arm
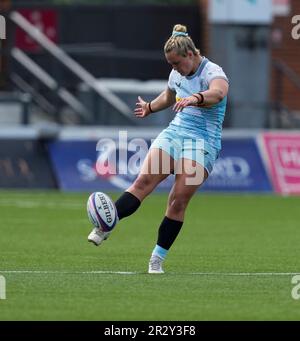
x=166 y=99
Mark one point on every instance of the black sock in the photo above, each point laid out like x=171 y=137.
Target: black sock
x=127 y=204
x=168 y=231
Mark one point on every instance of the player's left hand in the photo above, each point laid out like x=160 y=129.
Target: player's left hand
x=185 y=102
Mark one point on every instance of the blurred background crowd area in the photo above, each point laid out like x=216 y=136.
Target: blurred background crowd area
x=89 y=60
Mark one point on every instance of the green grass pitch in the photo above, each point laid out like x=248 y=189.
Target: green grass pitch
x=234 y=260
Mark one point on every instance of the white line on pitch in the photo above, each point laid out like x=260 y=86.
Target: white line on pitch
x=44 y=204
x=244 y=273
x=68 y=272
x=136 y=273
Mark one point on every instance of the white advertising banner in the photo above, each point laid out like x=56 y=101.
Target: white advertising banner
x=241 y=11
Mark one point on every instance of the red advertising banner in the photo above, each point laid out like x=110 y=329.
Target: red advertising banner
x=283 y=151
x=44 y=20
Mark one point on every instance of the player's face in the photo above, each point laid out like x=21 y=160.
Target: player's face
x=183 y=65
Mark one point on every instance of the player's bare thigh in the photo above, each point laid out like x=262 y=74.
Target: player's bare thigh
x=190 y=175
x=157 y=166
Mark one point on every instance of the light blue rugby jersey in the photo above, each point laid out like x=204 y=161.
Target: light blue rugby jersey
x=194 y=122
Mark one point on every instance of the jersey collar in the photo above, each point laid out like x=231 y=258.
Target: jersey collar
x=200 y=68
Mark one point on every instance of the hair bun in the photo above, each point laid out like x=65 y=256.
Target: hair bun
x=180 y=28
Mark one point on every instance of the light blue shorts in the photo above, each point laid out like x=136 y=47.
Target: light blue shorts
x=179 y=147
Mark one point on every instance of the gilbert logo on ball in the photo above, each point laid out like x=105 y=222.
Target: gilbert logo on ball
x=102 y=212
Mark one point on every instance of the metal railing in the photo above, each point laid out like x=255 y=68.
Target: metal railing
x=284 y=116
x=71 y=65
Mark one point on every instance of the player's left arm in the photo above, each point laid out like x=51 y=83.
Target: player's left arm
x=218 y=89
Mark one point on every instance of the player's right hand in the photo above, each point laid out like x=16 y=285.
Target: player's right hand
x=142 y=108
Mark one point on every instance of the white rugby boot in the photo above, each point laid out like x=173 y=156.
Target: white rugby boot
x=97 y=236
x=155 y=265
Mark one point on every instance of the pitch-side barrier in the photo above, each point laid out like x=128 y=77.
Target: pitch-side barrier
x=108 y=159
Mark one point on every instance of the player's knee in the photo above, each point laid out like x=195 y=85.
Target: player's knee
x=142 y=183
x=178 y=203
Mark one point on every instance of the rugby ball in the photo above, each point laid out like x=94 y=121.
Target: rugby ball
x=102 y=211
